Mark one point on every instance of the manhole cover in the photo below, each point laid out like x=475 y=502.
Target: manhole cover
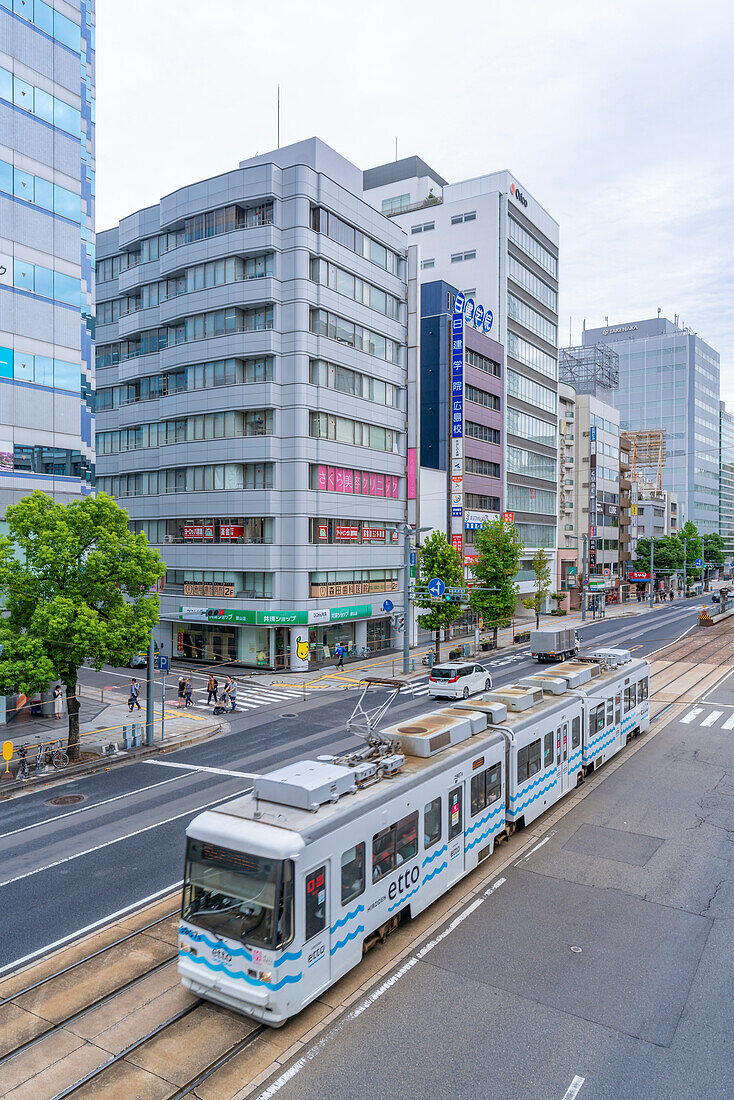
x=65 y=799
x=290 y=714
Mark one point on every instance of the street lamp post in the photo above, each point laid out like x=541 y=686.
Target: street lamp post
x=685 y=587
x=407 y=617
x=652 y=572
x=575 y=538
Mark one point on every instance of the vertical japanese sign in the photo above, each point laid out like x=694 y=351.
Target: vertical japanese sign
x=457 y=419
x=592 y=497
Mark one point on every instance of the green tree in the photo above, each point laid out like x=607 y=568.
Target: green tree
x=668 y=556
x=541 y=568
x=438 y=559
x=498 y=549
x=76 y=585
x=713 y=550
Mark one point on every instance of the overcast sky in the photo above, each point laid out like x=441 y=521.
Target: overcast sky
x=617 y=115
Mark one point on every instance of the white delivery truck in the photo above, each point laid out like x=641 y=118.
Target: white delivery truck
x=554 y=645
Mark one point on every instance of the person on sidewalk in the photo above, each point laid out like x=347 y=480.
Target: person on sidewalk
x=340 y=651
x=58 y=702
x=181 y=690
x=211 y=688
x=233 y=693
x=187 y=693
x=134 y=692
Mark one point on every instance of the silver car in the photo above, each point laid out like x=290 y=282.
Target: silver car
x=458 y=680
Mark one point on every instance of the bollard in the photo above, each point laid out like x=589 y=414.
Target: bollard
x=412 y=663
x=393 y=668
x=136 y=736
x=126 y=738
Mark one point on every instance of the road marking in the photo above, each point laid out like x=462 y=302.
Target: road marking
x=201 y=768
x=91 y=806
x=538 y=845
x=718 y=685
x=692 y=714
x=125 y=836
x=322 y=1043
x=90 y=927
x=574 y=1088
x=712 y=717
x=729 y=723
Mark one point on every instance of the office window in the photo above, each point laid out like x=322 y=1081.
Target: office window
x=530 y=464
x=482 y=397
x=532 y=284
x=527 y=353
x=481 y=431
x=426 y=264
x=396 y=205
x=532 y=248
x=532 y=392
x=459 y=257
x=530 y=318
x=531 y=427
x=469 y=216
x=481 y=362
x=482 y=467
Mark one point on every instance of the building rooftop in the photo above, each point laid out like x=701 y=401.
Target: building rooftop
x=405 y=169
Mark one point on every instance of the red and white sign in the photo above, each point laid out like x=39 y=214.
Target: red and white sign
x=323 y=531
x=231 y=531
x=374 y=534
x=179 y=642
x=347 y=532
x=457 y=542
x=508 y=517
x=199 y=532
x=638 y=576
x=470 y=558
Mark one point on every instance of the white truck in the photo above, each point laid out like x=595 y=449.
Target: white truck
x=554 y=645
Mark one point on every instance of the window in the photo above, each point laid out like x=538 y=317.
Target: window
x=352 y=873
x=469 y=216
x=523 y=498
x=395 y=205
x=481 y=362
x=530 y=464
x=423 y=227
x=530 y=318
x=39 y=103
x=528 y=761
x=533 y=248
x=531 y=427
x=532 y=284
x=359 y=290
x=432 y=823
x=596 y=719
x=575 y=733
x=548 y=750
x=315 y=885
x=459 y=257
x=630 y=698
x=482 y=503
x=482 y=467
x=426 y=264
x=642 y=690
x=482 y=397
x=610 y=712
x=456 y=824
x=486 y=788
x=354 y=383
x=393 y=846
x=39 y=191
x=322 y=221
x=481 y=431
x=536 y=535
x=532 y=392
x=363 y=339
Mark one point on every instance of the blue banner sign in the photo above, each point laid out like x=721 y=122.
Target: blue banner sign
x=457 y=376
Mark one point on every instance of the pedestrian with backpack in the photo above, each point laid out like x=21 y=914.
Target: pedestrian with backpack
x=211 y=688
x=134 y=692
x=181 y=690
x=187 y=693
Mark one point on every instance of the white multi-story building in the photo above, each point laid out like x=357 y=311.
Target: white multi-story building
x=490 y=238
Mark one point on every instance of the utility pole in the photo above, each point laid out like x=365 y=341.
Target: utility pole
x=685 y=588
x=583 y=579
x=407 y=617
x=652 y=572
x=149 y=696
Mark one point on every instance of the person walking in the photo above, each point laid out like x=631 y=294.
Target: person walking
x=340 y=651
x=134 y=692
x=187 y=693
x=211 y=688
x=181 y=690
x=58 y=702
x=233 y=693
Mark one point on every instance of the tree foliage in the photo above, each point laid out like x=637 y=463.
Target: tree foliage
x=76 y=587
x=542 y=570
x=438 y=559
x=498 y=548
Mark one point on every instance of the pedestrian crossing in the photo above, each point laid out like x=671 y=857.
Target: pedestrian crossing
x=709 y=717
x=415 y=688
x=252 y=697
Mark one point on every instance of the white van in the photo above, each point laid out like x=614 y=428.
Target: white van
x=458 y=680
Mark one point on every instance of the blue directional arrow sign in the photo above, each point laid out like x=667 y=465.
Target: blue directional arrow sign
x=698 y=563
x=436 y=587
x=387 y=605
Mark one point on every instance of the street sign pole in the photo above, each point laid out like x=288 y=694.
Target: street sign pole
x=163 y=704
x=150 y=696
x=685 y=589
x=652 y=572
x=406 y=600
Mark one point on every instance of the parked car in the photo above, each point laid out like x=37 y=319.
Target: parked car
x=458 y=680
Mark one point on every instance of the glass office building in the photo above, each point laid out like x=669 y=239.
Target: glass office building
x=726 y=480
x=46 y=249
x=669 y=379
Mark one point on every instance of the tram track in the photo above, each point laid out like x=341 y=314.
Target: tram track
x=120 y=1072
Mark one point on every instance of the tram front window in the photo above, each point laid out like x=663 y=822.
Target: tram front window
x=248 y=898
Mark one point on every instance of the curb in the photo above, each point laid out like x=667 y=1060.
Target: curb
x=105 y=763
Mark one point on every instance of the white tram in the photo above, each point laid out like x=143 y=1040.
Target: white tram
x=286 y=887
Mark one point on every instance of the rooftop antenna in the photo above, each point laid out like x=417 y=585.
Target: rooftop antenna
x=279 y=116
x=396 y=147
x=570 y=341
x=606 y=320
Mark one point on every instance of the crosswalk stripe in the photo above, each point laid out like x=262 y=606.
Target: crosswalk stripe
x=729 y=723
x=692 y=714
x=712 y=717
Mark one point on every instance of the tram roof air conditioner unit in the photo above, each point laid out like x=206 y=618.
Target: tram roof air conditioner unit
x=476 y=719
x=611 y=658
x=429 y=734
x=553 y=685
x=305 y=785
x=517 y=698
x=577 y=673
x=496 y=712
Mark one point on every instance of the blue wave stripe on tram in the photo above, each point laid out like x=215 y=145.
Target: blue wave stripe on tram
x=535 y=783
x=434 y=855
x=434 y=872
x=576 y=756
x=201 y=937
x=400 y=901
x=483 y=836
x=543 y=790
x=239 y=975
x=352 y=935
x=349 y=916
x=484 y=820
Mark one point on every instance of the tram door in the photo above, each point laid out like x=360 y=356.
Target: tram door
x=316 y=947
x=562 y=756
x=456 y=834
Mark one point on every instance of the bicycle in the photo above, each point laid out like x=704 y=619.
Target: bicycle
x=23 y=769
x=59 y=756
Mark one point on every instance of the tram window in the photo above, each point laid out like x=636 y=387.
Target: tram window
x=352 y=873
x=610 y=711
x=494 y=783
x=456 y=823
x=315 y=902
x=528 y=761
x=596 y=720
x=641 y=690
x=575 y=733
x=630 y=698
x=478 y=795
x=432 y=823
x=406 y=838
x=548 y=749
x=383 y=853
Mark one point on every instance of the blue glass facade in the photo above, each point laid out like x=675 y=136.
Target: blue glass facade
x=47 y=255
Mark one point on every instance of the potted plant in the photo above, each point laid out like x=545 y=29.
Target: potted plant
x=557 y=597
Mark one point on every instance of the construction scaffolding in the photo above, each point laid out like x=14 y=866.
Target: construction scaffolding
x=647 y=453
x=586 y=368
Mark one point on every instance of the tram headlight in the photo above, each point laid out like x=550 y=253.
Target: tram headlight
x=265 y=975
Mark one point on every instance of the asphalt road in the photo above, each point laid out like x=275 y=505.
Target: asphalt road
x=66 y=868
x=600 y=966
